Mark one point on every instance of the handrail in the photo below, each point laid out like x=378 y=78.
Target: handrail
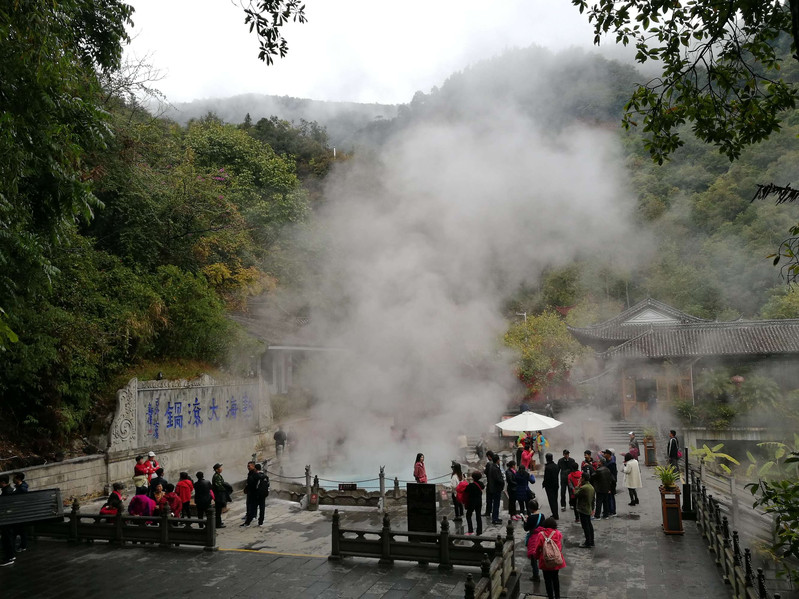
x=165 y=530
x=495 y=557
x=735 y=563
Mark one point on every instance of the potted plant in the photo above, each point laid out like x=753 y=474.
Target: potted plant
x=668 y=476
x=670 y=499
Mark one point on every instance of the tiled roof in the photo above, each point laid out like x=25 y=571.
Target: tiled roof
x=642 y=317
x=741 y=337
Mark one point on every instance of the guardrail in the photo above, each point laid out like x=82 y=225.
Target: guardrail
x=164 y=530
x=735 y=564
x=495 y=557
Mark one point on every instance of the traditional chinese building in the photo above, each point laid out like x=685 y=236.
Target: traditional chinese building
x=650 y=352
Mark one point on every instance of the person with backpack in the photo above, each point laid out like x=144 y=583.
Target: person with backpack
x=474 y=502
x=547 y=547
x=533 y=525
x=573 y=481
x=455 y=482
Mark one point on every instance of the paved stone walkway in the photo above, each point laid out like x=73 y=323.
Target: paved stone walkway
x=287 y=558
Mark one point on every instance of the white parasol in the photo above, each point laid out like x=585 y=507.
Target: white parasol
x=528 y=421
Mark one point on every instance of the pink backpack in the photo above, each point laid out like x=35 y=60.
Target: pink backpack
x=552 y=557
x=460 y=492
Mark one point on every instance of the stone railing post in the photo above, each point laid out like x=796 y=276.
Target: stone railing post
x=385 y=542
x=748 y=576
x=762 y=593
x=210 y=529
x=485 y=566
x=74 y=522
x=469 y=587
x=118 y=531
x=396 y=488
x=509 y=537
x=335 y=551
x=444 y=563
x=736 y=548
x=163 y=526
x=383 y=487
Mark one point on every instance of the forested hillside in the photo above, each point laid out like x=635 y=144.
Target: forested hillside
x=127 y=239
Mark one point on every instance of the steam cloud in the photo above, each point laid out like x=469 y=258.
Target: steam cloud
x=424 y=241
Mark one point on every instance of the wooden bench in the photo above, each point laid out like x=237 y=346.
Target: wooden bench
x=33 y=506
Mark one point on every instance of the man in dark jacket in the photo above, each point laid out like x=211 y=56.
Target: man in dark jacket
x=280 y=441
x=673 y=450
x=610 y=462
x=220 y=493
x=262 y=491
x=551 y=476
x=566 y=465
x=495 y=485
x=602 y=482
x=251 y=490
x=510 y=480
x=489 y=465
x=202 y=495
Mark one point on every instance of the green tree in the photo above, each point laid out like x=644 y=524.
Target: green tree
x=50 y=54
x=780 y=498
x=545 y=350
x=720 y=68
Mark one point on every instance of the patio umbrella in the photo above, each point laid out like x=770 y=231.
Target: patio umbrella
x=528 y=421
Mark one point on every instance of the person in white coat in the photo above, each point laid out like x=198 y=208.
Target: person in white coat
x=632 y=477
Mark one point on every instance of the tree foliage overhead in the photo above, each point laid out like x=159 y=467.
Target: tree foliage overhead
x=267 y=17
x=720 y=68
x=49 y=58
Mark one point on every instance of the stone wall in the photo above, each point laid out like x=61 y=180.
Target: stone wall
x=75 y=477
x=190 y=425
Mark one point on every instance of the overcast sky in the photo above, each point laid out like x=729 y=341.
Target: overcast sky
x=357 y=50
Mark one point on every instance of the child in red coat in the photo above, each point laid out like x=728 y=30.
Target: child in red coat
x=549 y=533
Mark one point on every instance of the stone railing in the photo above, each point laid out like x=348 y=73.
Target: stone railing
x=164 y=530
x=735 y=564
x=495 y=557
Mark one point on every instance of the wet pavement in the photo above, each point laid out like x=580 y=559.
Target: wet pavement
x=288 y=558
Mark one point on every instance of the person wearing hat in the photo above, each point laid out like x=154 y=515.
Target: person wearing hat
x=634 y=448
x=152 y=464
x=220 y=493
x=567 y=465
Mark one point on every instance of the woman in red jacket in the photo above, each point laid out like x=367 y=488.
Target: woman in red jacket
x=184 y=489
x=419 y=472
x=536 y=547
